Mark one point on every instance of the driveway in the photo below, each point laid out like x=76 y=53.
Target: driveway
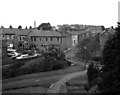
x=55 y=88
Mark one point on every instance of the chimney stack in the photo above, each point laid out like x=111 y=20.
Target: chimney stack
x=119 y=11
x=34 y=24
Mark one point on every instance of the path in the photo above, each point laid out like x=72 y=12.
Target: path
x=55 y=88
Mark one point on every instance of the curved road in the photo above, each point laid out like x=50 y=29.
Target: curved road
x=55 y=88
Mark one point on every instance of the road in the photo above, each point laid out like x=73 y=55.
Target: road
x=55 y=88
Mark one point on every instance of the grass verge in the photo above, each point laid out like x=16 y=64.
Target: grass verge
x=76 y=85
x=46 y=74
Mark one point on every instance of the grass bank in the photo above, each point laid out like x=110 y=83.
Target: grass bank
x=46 y=74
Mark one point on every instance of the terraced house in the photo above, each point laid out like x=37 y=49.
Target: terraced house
x=41 y=39
x=34 y=39
x=15 y=38
x=22 y=39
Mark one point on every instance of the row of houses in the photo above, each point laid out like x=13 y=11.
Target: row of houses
x=34 y=39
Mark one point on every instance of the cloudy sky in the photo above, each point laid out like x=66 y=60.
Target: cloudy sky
x=89 y=12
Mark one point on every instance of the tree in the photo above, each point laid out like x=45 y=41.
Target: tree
x=88 y=47
x=44 y=26
x=19 y=27
x=83 y=51
x=94 y=45
x=103 y=28
x=2 y=26
x=110 y=77
x=10 y=27
x=52 y=58
x=93 y=74
x=30 y=27
x=26 y=27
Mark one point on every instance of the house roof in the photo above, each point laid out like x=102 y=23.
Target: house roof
x=76 y=32
x=15 y=31
x=37 y=32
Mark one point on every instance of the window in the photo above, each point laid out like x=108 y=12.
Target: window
x=20 y=38
x=74 y=42
x=23 y=38
x=57 y=38
x=34 y=46
x=7 y=36
x=51 y=38
x=40 y=38
x=61 y=40
x=46 y=39
x=31 y=38
x=12 y=36
x=34 y=38
x=20 y=44
x=3 y=36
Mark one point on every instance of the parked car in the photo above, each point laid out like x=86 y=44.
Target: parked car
x=34 y=55
x=9 y=49
x=23 y=56
x=13 y=53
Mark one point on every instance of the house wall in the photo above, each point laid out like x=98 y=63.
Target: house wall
x=3 y=50
x=103 y=40
x=12 y=36
x=74 y=40
x=45 y=41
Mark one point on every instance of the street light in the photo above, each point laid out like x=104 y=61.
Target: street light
x=84 y=56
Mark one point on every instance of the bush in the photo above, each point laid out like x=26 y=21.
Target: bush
x=97 y=59
x=6 y=61
x=35 y=65
x=22 y=68
x=92 y=73
x=60 y=64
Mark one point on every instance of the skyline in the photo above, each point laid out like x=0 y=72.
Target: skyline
x=58 y=12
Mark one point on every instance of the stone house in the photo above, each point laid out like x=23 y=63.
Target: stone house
x=41 y=39
x=15 y=38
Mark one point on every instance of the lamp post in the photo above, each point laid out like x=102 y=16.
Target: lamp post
x=84 y=49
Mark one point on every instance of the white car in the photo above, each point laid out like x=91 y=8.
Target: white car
x=23 y=56
x=9 y=49
x=13 y=53
x=35 y=55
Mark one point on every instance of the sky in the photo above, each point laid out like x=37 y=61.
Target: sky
x=58 y=12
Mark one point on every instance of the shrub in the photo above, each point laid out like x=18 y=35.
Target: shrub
x=92 y=73
x=35 y=65
x=60 y=65
x=7 y=61
x=22 y=68
x=97 y=59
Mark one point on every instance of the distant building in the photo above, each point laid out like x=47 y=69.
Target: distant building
x=74 y=37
